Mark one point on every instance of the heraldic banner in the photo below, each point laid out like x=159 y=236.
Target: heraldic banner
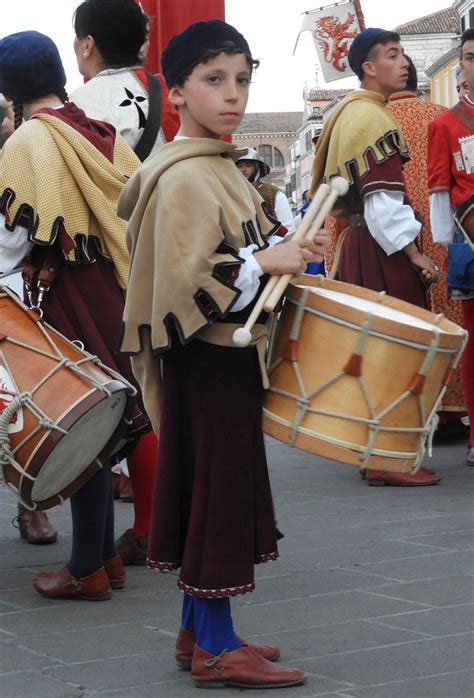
x=333 y=29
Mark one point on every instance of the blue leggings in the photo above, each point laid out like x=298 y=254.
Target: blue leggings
x=211 y=622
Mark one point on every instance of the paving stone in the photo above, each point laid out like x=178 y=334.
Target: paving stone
x=386 y=664
x=456 y=540
x=317 y=610
x=456 y=684
x=13 y=657
x=444 y=564
x=445 y=591
x=28 y=684
x=128 y=671
x=62 y=615
x=449 y=620
x=92 y=644
x=298 y=584
x=15 y=579
x=383 y=573
x=348 y=555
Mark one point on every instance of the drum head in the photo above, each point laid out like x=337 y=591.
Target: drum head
x=378 y=309
x=77 y=449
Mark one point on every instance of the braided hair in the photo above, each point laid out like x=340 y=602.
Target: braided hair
x=18 y=107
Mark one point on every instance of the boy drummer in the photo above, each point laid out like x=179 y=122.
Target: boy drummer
x=200 y=245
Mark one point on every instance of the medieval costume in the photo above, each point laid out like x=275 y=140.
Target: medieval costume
x=414 y=115
x=121 y=96
x=451 y=184
x=277 y=205
x=60 y=178
x=362 y=142
x=181 y=307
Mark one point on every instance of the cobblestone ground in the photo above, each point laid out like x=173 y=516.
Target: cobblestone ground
x=372 y=596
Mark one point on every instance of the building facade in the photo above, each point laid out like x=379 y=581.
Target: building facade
x=271 y=134
x=442 y=72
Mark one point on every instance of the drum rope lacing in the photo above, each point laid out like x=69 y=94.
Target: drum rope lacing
x=303 y=401
x=25 y=399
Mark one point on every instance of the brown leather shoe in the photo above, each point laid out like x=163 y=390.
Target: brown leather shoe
x=378 y=478
x=132 y=549
x=115 y=571
x=470 y=454
x=185 y=646
x=244 y=667
x=35 y=527
x=61 y=585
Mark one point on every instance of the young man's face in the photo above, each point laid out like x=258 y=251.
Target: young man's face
x=467 y=64
x=212 y=101
x=248 y=168
x=388 y=70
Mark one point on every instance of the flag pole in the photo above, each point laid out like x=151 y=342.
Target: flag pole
x=359 y=14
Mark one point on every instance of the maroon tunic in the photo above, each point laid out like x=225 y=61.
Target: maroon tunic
x=363 y=262
x=85 y=301
x=212 y=510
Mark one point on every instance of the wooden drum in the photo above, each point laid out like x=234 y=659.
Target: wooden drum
x=61 y=410
x=357 y=376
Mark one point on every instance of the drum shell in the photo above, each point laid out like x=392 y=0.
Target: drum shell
x=64 y=396
x=324 y=350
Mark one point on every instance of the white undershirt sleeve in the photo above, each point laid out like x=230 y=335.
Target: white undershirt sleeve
x=283 y=212
x=442 y=218
x=390 y=221
x=14 y=246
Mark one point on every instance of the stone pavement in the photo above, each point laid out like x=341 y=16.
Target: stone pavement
x=372 y=596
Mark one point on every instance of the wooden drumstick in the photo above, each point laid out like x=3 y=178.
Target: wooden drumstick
x=243 y=336
x=339 y=187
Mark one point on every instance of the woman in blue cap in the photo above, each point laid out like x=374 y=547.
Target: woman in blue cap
x=60 y=180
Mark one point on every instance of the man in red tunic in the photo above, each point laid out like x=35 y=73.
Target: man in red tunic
x=362 y=141
x=414 y=115
x=451 y=184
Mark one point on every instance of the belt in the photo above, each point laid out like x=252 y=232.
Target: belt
x=356 y=220
x=221 y=334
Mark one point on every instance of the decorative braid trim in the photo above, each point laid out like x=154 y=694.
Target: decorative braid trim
x=267 y=557
x=215 y=593
x=162 y=566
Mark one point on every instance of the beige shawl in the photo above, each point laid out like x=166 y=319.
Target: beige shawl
x=82 y=195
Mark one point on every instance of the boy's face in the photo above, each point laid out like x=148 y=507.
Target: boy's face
x=467 y=64
x=247 y=167
x=388 y=69
x=212 y=101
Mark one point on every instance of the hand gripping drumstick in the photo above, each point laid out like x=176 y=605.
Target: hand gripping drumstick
x=319 y=208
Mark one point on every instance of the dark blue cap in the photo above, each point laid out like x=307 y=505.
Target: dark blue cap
x=185 y=50
x=30 y=66
x=361 y=46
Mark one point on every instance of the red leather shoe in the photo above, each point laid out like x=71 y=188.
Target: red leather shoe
x=363 y=471
x=35 y=527
x=244 y=668
x=115 y=571
x=378 y=478
x=61 y=585
x=185 y=647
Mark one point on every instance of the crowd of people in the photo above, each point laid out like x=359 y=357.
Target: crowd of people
x=155 y=229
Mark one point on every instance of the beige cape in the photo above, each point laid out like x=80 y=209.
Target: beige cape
x=358 y=126
x=83 y=193
x=189 y=212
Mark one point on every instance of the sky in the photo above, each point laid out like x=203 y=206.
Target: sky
x=270 y=26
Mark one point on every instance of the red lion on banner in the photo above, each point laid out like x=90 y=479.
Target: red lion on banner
x=333 y=38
